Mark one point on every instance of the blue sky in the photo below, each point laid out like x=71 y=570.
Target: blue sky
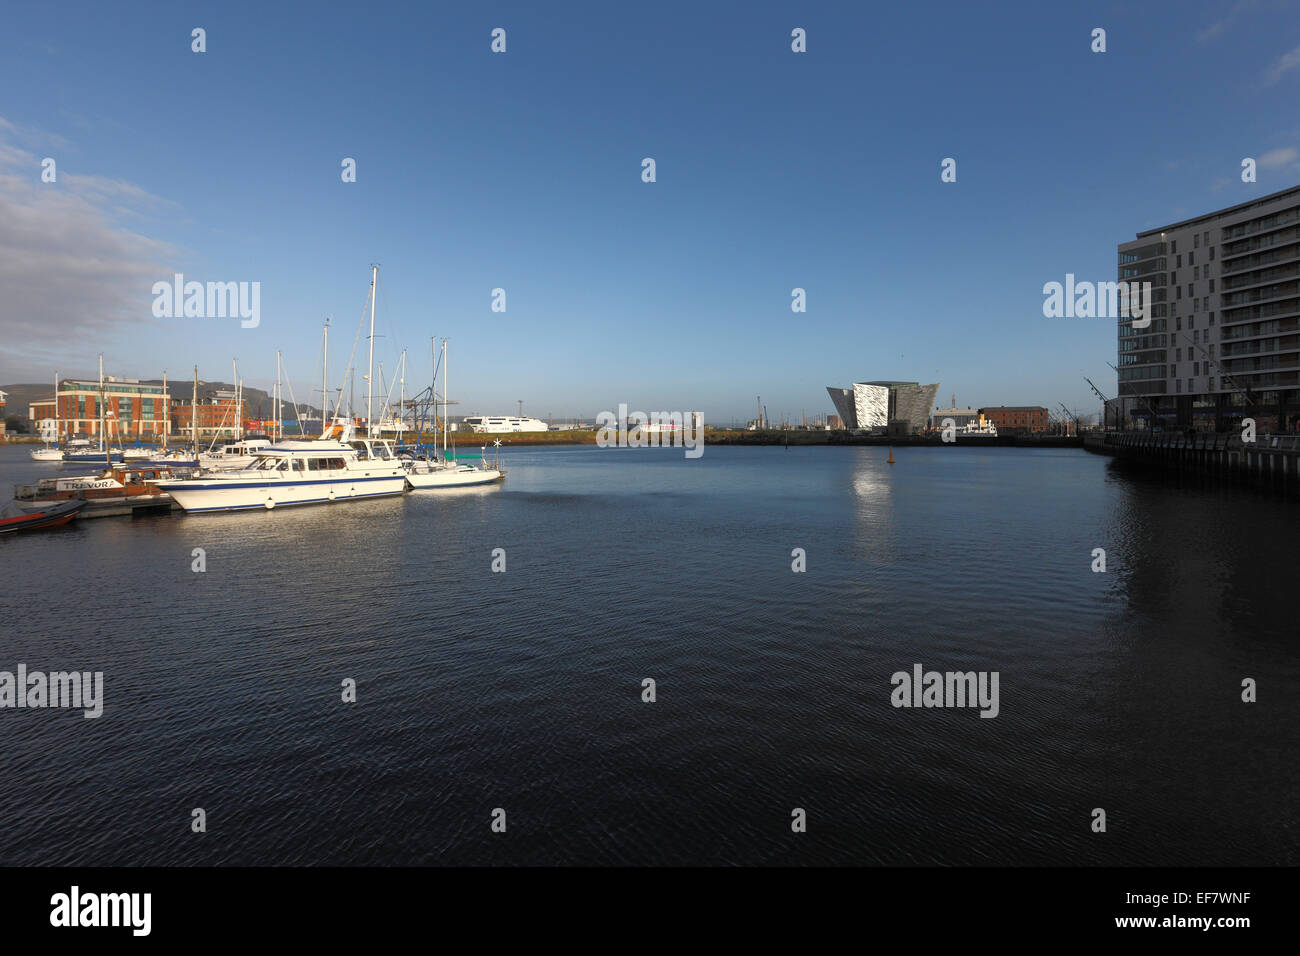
x=522 y=171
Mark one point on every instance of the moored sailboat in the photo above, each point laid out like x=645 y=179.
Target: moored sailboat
x=446 y=471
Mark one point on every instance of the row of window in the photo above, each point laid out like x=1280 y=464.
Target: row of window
x=1261 y=242
x=300 y=464
x=1145 y=373
x=1268 y=222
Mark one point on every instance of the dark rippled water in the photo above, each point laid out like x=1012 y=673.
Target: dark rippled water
x=522 y=690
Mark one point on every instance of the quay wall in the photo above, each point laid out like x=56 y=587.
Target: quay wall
x=1270 y=461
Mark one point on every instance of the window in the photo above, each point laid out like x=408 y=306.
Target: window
x=1189 y=385
x=1180 y=325
x=1211 y=384
x=1211 y=253
x=1178 y=385
x=1211 y=350
x=1206 y=234
x=313 y=464
x=1178 y=262
x=1180 y=292
x=1196 y=241
x=1196 y=272
x=1173 y=278
x=1190 y=290
x=1196 y=368
x=1211 y=285
x=1196 y=307
x=1211 y=318
x=297 y=464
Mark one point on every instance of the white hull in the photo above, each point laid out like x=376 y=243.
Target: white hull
x=264 y=490
x=453 y=476
x=47 y=454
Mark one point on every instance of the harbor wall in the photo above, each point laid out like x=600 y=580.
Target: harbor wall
x=1271 y=461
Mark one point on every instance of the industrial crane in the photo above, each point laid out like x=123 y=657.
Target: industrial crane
x=1070 y=416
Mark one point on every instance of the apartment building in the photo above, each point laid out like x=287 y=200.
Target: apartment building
x=1223 y=342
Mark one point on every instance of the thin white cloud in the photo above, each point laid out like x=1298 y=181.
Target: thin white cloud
x=1278 y=158
x=1217 y=28
x=31 y=137
x=72 y=275
x=1285 y=64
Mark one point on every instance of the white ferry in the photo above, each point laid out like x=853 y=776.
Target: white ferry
x=335 y=467
x=490 y=424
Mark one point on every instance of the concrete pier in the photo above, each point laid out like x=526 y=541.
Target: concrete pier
x=1271 y=460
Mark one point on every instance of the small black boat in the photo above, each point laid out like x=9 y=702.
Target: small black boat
x=55 y=515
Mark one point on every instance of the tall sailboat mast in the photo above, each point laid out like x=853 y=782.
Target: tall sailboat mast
x=194 y=413
x=103 y=446
x=239 y=422
x=279 y=427
x=445 y=398
x=324 y=377
x=370 y=383
x=167 y=416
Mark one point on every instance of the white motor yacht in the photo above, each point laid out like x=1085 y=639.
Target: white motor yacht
x=336 y=467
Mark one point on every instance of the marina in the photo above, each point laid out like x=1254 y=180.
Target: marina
x=622 y=566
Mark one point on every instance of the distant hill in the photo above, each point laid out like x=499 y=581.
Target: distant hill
x=258 y=403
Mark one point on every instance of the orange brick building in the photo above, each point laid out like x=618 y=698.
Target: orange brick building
x=1017 y=419
x=132 y=409
x=217 y=418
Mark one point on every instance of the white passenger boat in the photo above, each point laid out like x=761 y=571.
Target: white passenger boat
x=496 y=424
x=336 y=467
